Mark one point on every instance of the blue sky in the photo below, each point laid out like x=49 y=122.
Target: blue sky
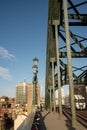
x=23 y=27
x=23 y=36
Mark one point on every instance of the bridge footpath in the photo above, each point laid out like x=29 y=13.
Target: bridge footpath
x=51 y=121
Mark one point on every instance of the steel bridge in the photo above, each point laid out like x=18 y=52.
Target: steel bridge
x=66 y=45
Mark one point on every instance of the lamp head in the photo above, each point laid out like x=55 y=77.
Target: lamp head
x=35 y=69
x=35 y=60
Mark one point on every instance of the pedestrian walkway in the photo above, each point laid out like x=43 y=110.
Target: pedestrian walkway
x=52 y=121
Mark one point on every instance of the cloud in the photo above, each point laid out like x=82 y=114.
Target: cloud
x=4 y=53
x=5 y=73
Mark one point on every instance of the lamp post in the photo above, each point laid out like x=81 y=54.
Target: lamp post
x=35 y=81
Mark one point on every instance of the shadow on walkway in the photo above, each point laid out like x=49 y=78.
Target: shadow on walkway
x=42 y=124
x=66 y=124
x=46 y=115
x=69 y=126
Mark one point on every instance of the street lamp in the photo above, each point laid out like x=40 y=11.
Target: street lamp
x=35 y=81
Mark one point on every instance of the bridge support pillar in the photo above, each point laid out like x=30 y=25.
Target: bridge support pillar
x=56 y=23
x=69 y=64
x=52 y=60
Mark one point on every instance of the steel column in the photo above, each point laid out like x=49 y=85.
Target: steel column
x=56 y=23
x=52 y=60
x=50 y=99
x=69 y=63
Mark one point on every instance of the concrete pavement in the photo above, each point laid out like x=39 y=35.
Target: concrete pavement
x=52 y=121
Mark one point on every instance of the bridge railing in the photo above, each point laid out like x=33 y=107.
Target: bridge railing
x=27 y=122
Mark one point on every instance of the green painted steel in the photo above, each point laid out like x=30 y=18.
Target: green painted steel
x=57 y=13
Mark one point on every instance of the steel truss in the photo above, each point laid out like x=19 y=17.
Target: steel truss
x=78 y=42
x=77 y=21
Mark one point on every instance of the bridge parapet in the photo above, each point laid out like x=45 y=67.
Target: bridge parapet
x=24 y=122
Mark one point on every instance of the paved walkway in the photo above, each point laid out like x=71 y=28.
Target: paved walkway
x=51 y=121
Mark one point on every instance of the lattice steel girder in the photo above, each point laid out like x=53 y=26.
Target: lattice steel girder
x=82 y=17
x=55 y=12
x=76 y=5
x=58 y=34
x=75 y=39
x=77 y=23
x=74 y=54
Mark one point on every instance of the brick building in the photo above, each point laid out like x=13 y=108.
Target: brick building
x=30 y=96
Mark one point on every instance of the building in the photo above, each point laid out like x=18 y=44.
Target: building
x=21 y=93
x=24 y=94
x=62 y=96
x=30 y=96
x=42 y=101
x=6 y=102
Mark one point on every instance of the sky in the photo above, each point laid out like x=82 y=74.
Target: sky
x=23 y=27
x=23 y=36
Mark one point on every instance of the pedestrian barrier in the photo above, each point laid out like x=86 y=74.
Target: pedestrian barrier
x=27 y=123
